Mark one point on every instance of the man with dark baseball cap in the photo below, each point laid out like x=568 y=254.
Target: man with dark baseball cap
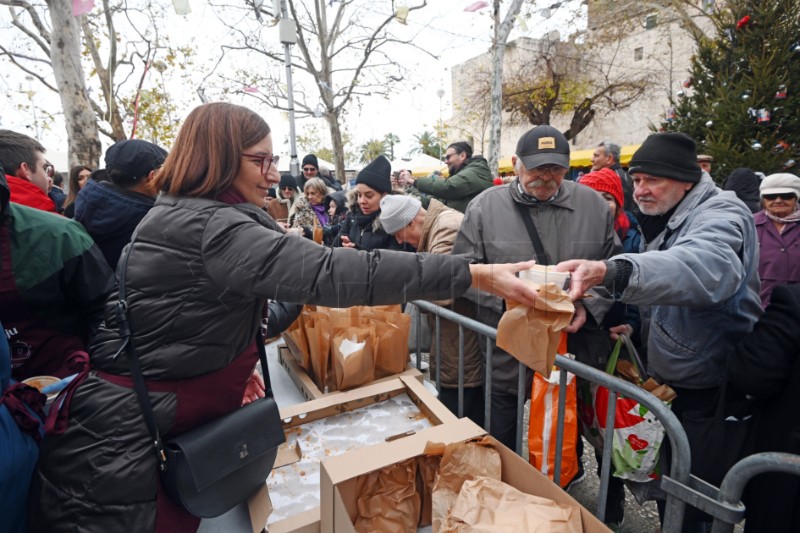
x=112 y=209
x=571 y=221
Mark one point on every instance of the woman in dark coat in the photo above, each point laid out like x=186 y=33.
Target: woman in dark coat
x=744 y=183
x=362 y=228
x=766 y=366
x=202 y=264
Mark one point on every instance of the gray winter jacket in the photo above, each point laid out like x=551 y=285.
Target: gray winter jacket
x=576 y=224
x=199 y=274
x=700 y=277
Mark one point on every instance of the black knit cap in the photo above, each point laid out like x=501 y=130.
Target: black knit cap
x=377 y=175
x=670 y=155
x=287 y=180
x=311 y=159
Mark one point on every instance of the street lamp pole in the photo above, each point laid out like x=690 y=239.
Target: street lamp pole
x=288 y=37
x=440 y=94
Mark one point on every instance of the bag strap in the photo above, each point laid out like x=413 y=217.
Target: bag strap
x=538 y=248
x=633 y=355
x=121 y=310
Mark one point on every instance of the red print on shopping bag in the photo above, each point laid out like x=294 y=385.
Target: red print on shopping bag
x=636 y=443
x=624 y=408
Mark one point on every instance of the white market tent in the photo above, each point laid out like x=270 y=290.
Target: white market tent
x=419 y=165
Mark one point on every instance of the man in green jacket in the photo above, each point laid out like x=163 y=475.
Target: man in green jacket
x=54 y=283
x=469 y=176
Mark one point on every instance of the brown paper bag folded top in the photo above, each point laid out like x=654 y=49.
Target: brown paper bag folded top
x=531 y=334
x=489 y=505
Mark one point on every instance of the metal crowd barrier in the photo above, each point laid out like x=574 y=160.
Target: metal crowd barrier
x=723 y=503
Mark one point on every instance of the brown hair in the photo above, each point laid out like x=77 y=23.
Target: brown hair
x=207 y=154
x=17 y=148
x=74 y=188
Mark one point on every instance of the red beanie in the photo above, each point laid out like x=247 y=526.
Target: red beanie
x=605 y=180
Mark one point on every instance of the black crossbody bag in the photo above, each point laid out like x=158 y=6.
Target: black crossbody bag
x=212 y=468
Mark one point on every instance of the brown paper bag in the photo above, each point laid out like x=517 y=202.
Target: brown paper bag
x=461 y=461
x=319 y=343
x=388 y=500
x=391 y=344
x=297 y=341
x=352 y=365
x=531 y=334
x=486 y=505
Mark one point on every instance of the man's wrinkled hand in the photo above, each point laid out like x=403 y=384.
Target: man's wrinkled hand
x=584 y=275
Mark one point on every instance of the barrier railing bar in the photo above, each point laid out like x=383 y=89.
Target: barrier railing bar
x=419 y=340
x=605 y=464
x=460 y=371
x=562 y=405
x=681 y=456
x=487 y=387
x=438 y=352
x=736 y=479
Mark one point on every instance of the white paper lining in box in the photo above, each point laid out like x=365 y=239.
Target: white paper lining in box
x=295 y=488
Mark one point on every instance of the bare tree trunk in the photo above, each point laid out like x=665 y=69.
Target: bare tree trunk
x=83 y=139
x=501 y=32
x=338 y=146
x=82 y=134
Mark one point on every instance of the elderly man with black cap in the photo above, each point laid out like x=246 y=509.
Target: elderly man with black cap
x=539 y=215
x=698 y=275
x=111 y=210
x=310 y=169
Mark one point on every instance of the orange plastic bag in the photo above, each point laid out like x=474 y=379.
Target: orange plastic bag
x=543 y=426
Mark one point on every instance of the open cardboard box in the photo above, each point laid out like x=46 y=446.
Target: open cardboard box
x=342 y=402
x=306 y=385
x=338 y=474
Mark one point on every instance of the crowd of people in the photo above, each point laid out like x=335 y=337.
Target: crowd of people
x=210 y=236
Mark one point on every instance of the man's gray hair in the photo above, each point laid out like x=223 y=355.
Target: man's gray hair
x=611 y=149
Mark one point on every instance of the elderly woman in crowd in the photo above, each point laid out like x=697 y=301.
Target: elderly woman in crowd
x=201 y=266
x=310 y=212
x=778 y=227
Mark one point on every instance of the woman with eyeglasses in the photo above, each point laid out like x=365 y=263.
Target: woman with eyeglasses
x=78 y=176
x=282 y=207
x=200 y=269
x=778 y=228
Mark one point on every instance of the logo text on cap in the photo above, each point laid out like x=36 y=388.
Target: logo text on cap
x=547 y=143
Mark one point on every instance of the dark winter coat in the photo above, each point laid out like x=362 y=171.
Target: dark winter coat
x=110 y=214
x=365 y=231
x=459 y=189
x=198 y=276
x=766 y=365
x=745 y=184
x=331 y=230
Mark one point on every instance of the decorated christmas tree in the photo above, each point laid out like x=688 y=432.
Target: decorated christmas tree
x=741 y=102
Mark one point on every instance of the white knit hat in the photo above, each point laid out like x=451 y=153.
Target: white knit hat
x=397 y=212
x=780 y=183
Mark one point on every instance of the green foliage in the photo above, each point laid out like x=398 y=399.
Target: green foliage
x=372 y=149
x=734 y=74
x=390 y=140
x=428 y=143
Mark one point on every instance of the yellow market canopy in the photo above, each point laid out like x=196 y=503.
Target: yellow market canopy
x=578 y=158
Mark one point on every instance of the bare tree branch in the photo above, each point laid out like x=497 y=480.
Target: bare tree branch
x=13 y=58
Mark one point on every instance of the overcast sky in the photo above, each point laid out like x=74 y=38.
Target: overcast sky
x=443 y=28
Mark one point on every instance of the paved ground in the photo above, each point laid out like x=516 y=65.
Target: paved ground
x=638 y=519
